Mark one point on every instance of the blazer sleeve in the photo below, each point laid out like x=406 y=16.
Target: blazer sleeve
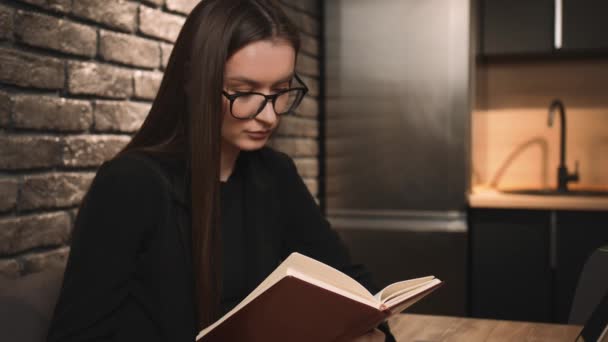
x=308 y=232
x=124 y=205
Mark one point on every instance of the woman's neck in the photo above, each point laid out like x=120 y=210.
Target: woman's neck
x=228 y=156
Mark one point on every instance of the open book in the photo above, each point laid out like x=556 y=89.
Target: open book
x=306 y=300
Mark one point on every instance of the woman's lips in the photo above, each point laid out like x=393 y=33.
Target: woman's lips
x=258 y=134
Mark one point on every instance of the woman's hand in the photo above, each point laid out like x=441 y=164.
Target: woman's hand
x=372 y=336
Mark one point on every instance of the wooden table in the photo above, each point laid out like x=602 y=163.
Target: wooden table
x=423 y=328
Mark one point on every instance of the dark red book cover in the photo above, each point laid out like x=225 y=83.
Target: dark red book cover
x=295 y=310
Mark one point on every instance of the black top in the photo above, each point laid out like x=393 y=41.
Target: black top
x=129 y=273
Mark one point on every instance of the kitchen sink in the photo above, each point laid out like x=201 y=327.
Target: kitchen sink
x=553 y=192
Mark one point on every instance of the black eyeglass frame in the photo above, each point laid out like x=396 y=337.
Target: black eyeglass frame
x=271 y=97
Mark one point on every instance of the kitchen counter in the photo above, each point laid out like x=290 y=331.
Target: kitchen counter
x=482 y=197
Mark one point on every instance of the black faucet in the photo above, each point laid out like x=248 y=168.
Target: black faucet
x=563 y=177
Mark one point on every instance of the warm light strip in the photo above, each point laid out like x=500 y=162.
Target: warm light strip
x=558 y=25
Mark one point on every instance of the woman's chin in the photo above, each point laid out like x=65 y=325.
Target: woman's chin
x=251 y=145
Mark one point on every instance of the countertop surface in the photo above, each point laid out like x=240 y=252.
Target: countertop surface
x=483 y=197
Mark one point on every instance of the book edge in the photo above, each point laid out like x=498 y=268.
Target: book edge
x=419 y=293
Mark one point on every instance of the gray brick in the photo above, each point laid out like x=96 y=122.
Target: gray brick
x=159 y=24
x=181 y=6
x=29 y=70
x=119 y=14
x=147 y=84
x=312 y=84
x=155 y=3
x=304 y=22
x=73 y=213
x=309 y=6
x=165 y=53
x=119 y=115
x=29 y=151
x=298 y=127
x=63 y=6
x=296 y=147
x=39 y=3
x=307 y=65
x=91 y=150
x=127 y=49
x=309 y=44
x=99 y=79
x=313 y=186
x=5 y=109
x=37 y=262
x=57 y=34
x=6 y=22
x=21 y=233
x=8 y=193
x=54 y=190
x=307 y=167
x=309 y=107
x=51 y=113
x=10 y=268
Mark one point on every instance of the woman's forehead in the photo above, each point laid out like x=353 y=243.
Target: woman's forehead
x=265 y=62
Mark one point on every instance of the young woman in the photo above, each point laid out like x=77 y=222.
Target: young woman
x=195 y=212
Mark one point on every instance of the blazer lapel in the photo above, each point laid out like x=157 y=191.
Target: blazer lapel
x=181 y=187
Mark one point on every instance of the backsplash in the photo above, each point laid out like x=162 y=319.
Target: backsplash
x=512 y=144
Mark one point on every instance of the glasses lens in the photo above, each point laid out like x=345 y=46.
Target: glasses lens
x=246 y=106
x=287 y=101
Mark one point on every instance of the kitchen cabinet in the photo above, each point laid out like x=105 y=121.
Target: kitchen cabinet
x=516 y=27
x=525 y=264
x=578 y=234
x=542 y=27
x=510 y=271
x=585 y=24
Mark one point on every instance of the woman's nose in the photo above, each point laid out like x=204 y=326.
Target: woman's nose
x=267 y=115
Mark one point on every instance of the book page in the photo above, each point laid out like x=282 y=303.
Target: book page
x=328 y=275
x=398 y=288
x=399 y=303
x=367 y=300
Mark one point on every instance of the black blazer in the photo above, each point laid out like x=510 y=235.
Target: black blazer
x=129 y=273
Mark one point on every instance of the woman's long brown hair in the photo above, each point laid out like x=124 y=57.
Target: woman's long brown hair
x=185 y=118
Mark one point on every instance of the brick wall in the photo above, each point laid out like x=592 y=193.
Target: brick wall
x=77 y=78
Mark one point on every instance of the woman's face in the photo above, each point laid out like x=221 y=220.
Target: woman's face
x=266 y=67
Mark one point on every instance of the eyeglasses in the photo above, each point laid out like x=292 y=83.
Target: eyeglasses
x=247 y=105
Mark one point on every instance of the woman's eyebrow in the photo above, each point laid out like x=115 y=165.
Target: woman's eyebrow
x=256 y=83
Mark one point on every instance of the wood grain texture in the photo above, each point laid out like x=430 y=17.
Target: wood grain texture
x=426 y=328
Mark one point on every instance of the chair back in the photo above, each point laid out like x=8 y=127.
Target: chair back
x=590 y=305
x=27 y=304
